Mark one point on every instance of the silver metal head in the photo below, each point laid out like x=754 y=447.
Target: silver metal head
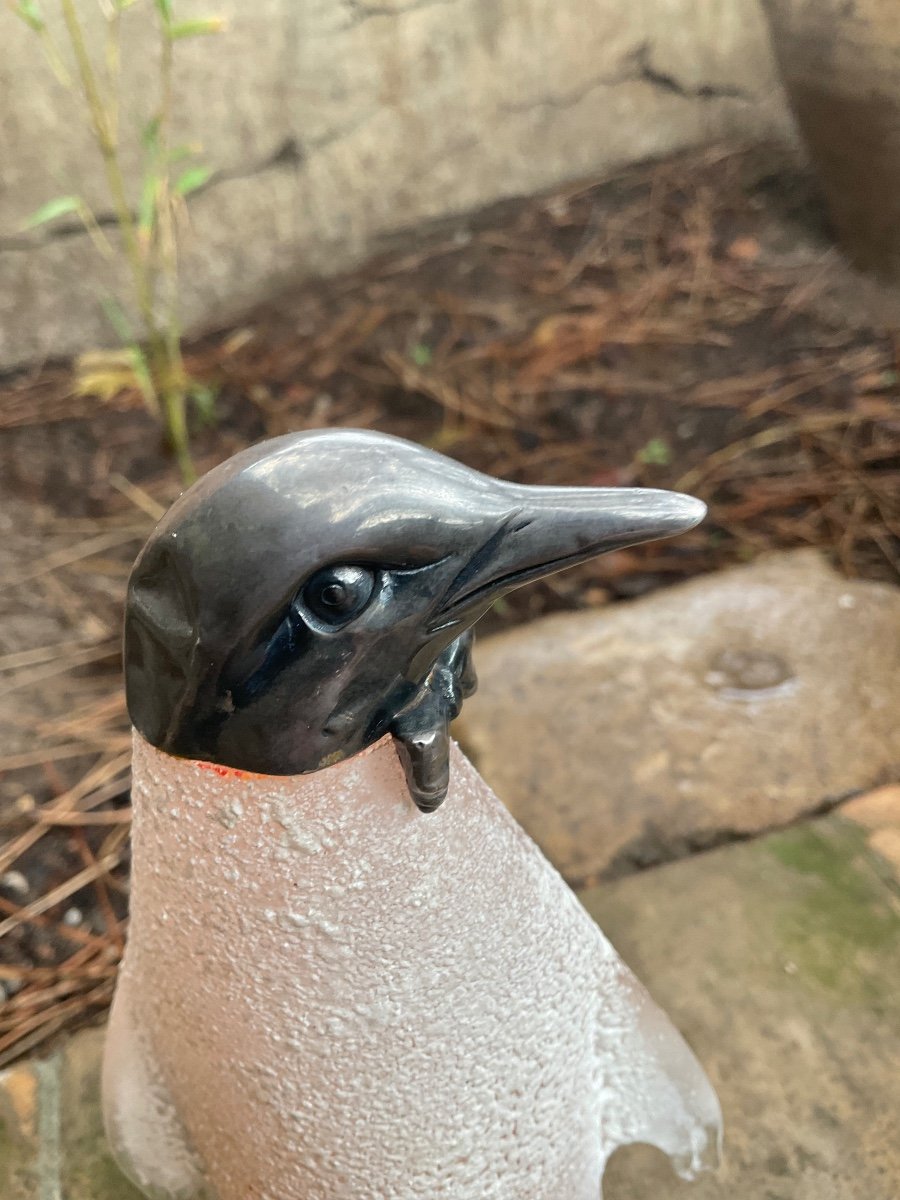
x=316 y=592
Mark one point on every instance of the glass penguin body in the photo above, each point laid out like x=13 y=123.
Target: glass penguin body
x=328 y=995
x=349 y=974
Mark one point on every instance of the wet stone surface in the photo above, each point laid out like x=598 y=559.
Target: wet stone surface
x=778 y=958
x=51 y=1133
x=730 y=705
x=780 y=961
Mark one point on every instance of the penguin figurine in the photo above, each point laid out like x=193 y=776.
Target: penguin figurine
x=349 y=974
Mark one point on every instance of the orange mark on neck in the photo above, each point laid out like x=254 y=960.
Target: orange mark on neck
x=227 y=772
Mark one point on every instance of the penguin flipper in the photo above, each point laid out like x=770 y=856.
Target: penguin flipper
x=654 y=1089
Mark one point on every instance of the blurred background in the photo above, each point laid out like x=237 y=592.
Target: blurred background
x=564 y=241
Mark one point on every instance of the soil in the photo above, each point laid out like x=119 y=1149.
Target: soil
x=683 y=325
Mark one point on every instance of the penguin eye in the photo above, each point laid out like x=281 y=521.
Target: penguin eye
x=335 y=594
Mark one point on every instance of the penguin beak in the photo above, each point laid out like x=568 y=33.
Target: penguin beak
x=548 y=529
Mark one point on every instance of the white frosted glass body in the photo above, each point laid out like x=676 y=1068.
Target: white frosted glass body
x=328 y=996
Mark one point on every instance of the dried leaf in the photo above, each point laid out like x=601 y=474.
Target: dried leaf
x=105 y=374
x=744 y=249
x=108 y=373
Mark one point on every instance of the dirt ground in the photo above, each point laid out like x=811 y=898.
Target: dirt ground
x=683 y=325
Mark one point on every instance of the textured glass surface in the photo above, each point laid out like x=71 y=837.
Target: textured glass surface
x=328 y=995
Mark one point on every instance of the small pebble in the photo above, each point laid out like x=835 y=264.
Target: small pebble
x=73 y=916
x=15 y=882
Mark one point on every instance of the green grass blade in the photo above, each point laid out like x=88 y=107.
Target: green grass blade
x=61 y=206
x=192 y=179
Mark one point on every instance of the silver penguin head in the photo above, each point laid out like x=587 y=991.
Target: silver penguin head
x=314 y=593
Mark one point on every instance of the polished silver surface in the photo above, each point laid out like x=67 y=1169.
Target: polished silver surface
x=316 y=592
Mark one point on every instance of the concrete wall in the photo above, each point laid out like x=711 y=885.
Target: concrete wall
x=331 y=122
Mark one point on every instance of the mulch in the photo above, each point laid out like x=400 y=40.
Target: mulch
x=677 y=326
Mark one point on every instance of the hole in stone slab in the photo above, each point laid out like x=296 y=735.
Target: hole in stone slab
x=747 y=673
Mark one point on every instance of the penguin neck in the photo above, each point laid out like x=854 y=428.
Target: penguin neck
x=279 y=822
x=306 y=788
x=270 y=852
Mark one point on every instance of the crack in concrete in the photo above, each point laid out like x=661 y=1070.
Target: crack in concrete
x=648 y=73
x=289 y=154
x=636 y=68
x=569 y=99
x=293 y=154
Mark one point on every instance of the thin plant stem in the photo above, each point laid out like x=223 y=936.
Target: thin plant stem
x=108 y=145
x=167 y=375
x=175 y=386
x=113 y=66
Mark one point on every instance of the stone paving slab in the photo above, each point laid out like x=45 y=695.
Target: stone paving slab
x=635 y=734
x=878 y=812
x=51 y=1134
x=779 y=958
x=780 y=961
